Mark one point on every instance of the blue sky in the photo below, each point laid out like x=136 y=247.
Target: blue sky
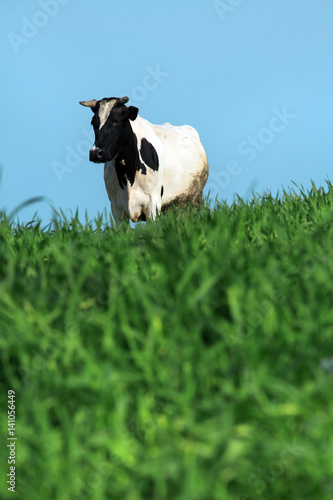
x=255 y=78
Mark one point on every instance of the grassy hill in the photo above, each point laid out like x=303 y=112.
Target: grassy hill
x=188 y=359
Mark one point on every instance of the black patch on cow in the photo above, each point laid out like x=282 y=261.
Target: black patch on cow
x=121 y=174
x=141 y=166
x=126 y=171
x=162 y=191
x=149 y=155
x=130 y=162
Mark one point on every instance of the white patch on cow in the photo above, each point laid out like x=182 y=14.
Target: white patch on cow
x=104 y=111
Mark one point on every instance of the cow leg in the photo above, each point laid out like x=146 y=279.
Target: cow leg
x=119 y=215
x=153 y=208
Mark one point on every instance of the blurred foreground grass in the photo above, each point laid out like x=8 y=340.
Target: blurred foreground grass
x=188 y=359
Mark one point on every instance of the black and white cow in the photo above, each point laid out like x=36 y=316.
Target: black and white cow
x=147 y=167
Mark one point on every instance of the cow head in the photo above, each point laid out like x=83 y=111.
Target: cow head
x=111 y=126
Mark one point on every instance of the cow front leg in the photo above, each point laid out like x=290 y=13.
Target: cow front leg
x=119 y=215
x=153 y=208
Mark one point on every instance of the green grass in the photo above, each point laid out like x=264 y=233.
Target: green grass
x=189 y=359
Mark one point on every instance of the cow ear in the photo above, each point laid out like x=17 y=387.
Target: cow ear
x=133 y=112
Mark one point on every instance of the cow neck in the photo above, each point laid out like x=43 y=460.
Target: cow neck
x=127 y=161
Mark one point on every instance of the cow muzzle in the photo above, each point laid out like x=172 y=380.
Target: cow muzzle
x=97 y=155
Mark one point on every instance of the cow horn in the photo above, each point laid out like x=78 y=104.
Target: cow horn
x=89 y=104
x=124 y=100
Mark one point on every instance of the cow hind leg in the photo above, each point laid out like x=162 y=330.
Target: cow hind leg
x=198 y=199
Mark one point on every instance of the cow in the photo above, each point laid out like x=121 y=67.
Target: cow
x=147 y=167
